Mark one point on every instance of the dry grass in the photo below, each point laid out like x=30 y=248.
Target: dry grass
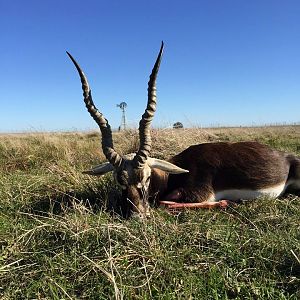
x=58 y=241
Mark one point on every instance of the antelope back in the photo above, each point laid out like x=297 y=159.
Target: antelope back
x=225 y=166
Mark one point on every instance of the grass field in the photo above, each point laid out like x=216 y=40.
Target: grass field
x=59 y=240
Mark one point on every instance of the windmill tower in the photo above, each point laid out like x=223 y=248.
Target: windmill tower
x=122 y=106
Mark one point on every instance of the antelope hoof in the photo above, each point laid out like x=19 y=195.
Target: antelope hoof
x=223 y=203
x=166 y=203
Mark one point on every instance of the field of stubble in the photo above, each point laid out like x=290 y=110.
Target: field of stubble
x=58 y=239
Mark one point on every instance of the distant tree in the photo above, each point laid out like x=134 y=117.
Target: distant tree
x=177 y=125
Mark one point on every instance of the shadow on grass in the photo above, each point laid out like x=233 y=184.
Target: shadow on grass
x=89 y=199
x=109 y=199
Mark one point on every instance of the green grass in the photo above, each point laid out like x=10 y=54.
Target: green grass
x=58 y=240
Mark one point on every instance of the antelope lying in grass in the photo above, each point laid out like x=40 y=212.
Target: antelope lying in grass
x=202 y=176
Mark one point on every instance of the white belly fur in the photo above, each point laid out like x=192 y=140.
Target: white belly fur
x=234 y=195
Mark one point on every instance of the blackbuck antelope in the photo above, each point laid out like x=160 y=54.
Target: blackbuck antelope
x=202 y=176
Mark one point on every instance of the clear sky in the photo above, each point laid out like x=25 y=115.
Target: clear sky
x=226 y=62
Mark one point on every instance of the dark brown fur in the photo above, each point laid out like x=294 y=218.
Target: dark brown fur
x=221 y=166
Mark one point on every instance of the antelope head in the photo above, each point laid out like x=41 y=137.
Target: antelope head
x=132 y=171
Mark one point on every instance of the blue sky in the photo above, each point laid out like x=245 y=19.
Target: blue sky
x=225 y=62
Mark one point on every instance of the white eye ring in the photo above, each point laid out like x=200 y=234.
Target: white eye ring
x=139 y=185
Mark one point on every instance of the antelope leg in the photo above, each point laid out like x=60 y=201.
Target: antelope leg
x=205 y=204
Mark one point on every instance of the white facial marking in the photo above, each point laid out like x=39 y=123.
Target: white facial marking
x=139 y=185
x=235 y=194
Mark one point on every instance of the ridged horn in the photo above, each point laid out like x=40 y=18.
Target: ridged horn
x=144 y=126
x=107 y=142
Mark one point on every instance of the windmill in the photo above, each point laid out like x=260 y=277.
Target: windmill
x=122 y=106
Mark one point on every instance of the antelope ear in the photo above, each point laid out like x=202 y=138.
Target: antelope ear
x=165 y=166
x=100 y=169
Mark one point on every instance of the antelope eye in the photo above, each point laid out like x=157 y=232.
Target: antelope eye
x=122 y=179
